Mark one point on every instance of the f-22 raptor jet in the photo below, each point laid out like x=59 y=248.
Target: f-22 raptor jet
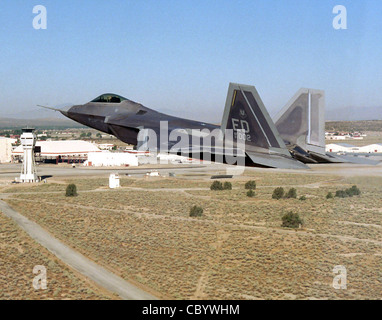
x=295 y=138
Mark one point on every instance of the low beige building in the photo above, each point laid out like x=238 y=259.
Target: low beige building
x=6 y=149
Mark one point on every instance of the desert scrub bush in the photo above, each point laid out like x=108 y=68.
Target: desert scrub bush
x=353 y=191
x=216 y=185
x=329 y=195
x=227 y=185
x=196 y=211
x=250 y=185
x=292 y=193
x=250 y=193
x=341 y=194
x=71 y=190
x=291 y=220
x=302 y=198
x=278 y=193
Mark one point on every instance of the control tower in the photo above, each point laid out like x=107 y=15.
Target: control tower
x=28 y=141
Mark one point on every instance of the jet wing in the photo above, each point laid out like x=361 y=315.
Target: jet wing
x=324 y=158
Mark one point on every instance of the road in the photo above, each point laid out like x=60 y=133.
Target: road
x=11 y=171
x=77 y=261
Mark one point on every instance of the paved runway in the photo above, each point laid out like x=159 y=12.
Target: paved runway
x=9 y=172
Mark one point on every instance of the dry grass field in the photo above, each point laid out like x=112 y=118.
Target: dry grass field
x=19 y=255
x=237 y=250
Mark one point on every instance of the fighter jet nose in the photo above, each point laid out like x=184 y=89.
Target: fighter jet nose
x=66 y=108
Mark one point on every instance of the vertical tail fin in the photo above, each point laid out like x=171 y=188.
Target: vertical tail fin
x=244 y=111
x=302 y=120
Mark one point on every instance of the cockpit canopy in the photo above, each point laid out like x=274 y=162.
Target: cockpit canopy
x=109 y=98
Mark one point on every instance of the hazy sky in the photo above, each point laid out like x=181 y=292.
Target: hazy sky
x=179 y=56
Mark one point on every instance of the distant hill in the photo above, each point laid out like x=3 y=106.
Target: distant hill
x=354 y=126
x=354 y=114
x=45 y=123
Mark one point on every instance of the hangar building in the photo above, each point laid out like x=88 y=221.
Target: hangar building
x=111 y=159
x=69 y=151
x=373 y=148
x=348 y=148
x=341 y=147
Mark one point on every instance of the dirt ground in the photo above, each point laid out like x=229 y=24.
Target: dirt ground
x=237 y=249
x=20 y=254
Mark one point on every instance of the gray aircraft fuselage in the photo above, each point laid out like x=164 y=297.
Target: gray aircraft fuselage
x=247 y=131
x=247 y=135
x=126 y=118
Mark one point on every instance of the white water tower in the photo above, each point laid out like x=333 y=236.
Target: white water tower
x=28 y=141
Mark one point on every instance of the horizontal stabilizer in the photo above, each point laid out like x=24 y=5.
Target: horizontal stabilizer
x=324 y=158
x=275 y=161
